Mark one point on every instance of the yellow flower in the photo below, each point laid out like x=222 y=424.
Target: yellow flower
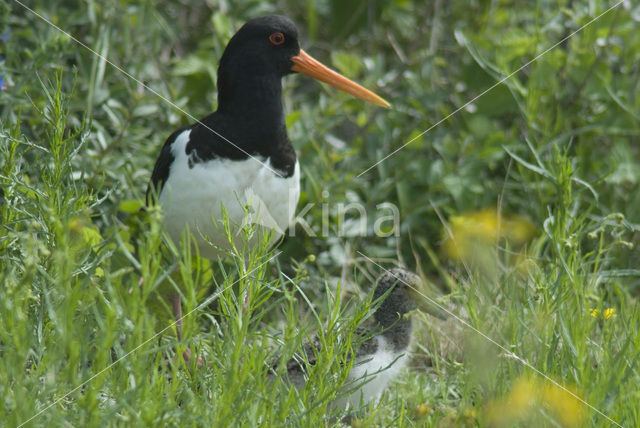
x=423 y=410
x=608 y=313
x=472 y=231
x=527 y=395
x=515 y=405
x=523 y=394
x=567 y=408
x=518 y=230
x=469 y=418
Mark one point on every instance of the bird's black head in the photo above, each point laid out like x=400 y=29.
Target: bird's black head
x=263 y=46
x=263 y=51
x=401 y=298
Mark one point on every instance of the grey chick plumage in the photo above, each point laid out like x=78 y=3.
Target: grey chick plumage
x=383 y=353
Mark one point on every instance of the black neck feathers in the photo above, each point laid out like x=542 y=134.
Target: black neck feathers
x=249 y=120
x=390 y=315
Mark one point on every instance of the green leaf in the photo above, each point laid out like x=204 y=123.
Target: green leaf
x=346 y=63
x=130 y=206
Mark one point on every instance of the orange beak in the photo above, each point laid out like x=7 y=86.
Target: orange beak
x=305 y=63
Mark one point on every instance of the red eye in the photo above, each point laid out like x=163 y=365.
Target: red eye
x=277 y=38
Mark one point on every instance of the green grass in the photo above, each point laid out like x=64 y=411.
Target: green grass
x=554 y=151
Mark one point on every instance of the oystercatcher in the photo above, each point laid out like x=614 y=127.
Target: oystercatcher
x=240 y=157
x=383 y=354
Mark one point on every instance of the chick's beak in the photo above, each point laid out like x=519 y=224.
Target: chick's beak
x=305 y=63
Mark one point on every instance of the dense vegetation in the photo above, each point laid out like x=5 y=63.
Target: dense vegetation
x=521 y=211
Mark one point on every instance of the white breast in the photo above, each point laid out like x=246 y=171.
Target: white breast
x=194 y=196
x=374 y=372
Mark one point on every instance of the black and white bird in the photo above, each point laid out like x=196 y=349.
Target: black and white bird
x=384 y=354
x=240 y=156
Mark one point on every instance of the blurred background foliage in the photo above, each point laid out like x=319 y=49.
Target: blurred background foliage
x=545 y=165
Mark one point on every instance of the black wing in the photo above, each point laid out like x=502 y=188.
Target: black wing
x=161 y=169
